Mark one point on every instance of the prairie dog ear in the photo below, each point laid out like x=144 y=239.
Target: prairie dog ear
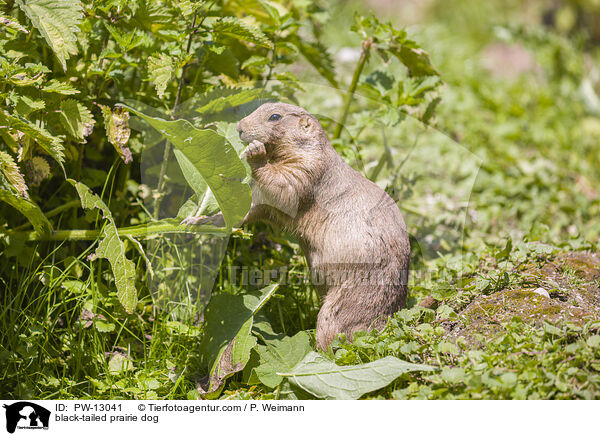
x=307 y=124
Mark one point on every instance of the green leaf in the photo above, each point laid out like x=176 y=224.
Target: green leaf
x=230 y=132
x=594 y=341
x=552 y=330
x=11 y=23
x=453 y=375
x=51 y=144
x=505 y=252
x=57 y=21
x=445 y=311
x=26 y=105
x=75 y=286
x=104 y=326
x=26 y=77
x=111 y=248
x=206 y=203
x=57 y=87
x=415 y=59
x=448 y=347
x=220 y=99
x=76 y=118
x=28 y=208
x=37 y=170
x=227 y=339
x=281 y=356
x=263 y=330
x=126 y=41
x=225 y=315
x=324 y=379
x=509 y=378
x=187 y=7
x=232 y=359
x=389 y=40
x=221 y=60
x=236 y=28
x=119 y=363
x=430 y=110
x=116 y=123
x=317 y=55
x=272 y=10
x=161 y=70
x=13 y=175
x=216 y=161
x=255 y=61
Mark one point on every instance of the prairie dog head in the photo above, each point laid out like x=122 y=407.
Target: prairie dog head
x=283 y=128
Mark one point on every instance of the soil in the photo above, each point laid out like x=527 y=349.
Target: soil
x=566 y=287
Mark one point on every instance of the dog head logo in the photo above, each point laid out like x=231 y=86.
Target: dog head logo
x=24 y=414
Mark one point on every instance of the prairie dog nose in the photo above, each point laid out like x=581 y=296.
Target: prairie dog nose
x=240 y=128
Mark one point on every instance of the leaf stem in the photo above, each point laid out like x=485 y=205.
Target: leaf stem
x=364 y=55
x=273 y=57
x=125 y=232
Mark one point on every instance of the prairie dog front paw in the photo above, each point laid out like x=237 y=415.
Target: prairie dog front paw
x=194 y=220
x=255 y=151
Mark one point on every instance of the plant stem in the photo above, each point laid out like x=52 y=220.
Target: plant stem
x=133 y=231
x=273 y=57
x=62 y=207
x=167 y=151
x=53 y=212
x=161 y=178
x=364 y=55
x=180 y=84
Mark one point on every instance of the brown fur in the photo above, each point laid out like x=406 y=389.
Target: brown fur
x=352 y=233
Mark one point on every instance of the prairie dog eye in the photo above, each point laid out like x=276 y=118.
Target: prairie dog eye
x=275 y=117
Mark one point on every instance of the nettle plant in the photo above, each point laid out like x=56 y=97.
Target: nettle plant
x=74 y=74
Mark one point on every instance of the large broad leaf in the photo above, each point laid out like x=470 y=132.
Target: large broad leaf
x=229 y=131
x=216 y=161
x=228 y=339
x=28 y=208
x=111 y=248
x=324 y=379
x=232 y=359
x=57 y=21
x=206 y=203
x=281 y=356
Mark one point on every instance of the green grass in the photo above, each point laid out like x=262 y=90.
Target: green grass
x=50 y=349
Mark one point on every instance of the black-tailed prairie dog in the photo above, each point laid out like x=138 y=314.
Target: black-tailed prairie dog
x=352 y=233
